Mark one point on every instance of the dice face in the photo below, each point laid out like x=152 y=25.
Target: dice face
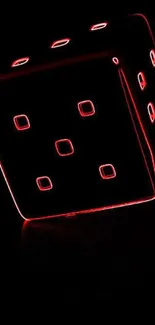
x=140 y=62
x=86 y=131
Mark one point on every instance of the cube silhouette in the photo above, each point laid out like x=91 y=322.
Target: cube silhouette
x=87 y=122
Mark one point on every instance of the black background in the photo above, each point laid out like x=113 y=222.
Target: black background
x=101 y=255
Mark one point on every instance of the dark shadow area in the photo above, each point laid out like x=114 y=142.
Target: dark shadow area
x=109 y=242
x=106 y=255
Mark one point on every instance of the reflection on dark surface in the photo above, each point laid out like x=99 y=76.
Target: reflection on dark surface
x=103 y=255
x=109 y=242
x=103 y=252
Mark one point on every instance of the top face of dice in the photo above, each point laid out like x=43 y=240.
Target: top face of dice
x=81 y=147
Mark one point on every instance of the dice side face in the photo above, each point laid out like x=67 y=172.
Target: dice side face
x=82 y=151
x=138 y=65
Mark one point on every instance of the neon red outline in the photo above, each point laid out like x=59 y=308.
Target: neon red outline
x=152 y=57
x=138 y=138
x=141 y=80
x=72 y=214
x=18 y=127
x=70 y=144
x=115 y=206
x=98 y=26
x=121 y=73
x=115 y=60
x=80 y=108
x=51 y=65
x=103 y=175
x=44 y=188
x=11 y=193
x=151 y=111
x=19 y=62
x=59 y=43
x=148 y=26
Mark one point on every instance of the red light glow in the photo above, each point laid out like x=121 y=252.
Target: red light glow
x=115 y=60
x=104 y=174
x=82 y=108
x=98 y=26
x=41 y=186
x=68 y=143
x=151 y=111
x=72 y=214
x=60 y=43
x=19 y=62
x=152 y=57
x=148 y=26
x=122 y=75
x=141 y=80
x=17 y=119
